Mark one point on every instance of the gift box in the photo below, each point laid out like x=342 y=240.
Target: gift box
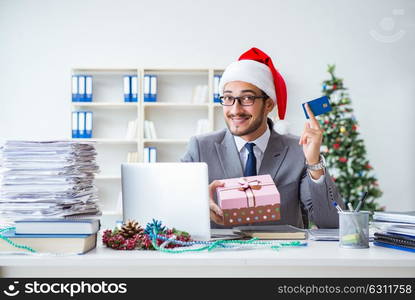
x=249 y=200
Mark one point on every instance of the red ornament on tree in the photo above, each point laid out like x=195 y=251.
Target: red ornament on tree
x=336 y=146
x=334 y=86
x=343 y=159
x=368 y=167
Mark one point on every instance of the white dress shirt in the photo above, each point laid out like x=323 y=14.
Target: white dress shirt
x=259 y=150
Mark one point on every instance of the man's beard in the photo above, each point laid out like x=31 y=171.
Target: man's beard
x=252 y=128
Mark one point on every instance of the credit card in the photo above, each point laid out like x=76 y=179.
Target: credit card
x=318 y=106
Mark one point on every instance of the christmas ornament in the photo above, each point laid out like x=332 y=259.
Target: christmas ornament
x=130 y=229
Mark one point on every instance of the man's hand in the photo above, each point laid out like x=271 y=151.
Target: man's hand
x=311 y=140
x=216 y=214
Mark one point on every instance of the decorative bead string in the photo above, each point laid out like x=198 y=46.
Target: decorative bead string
x=216 y=244
x=13 y=243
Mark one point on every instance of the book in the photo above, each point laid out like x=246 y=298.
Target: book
x=392 y=246
x=273 y=232
x=49 y=243
x=57 y=226
x=403 y=217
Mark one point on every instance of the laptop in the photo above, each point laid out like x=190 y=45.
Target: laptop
x=175 y=193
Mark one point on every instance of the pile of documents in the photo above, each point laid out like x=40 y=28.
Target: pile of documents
x=47 y=179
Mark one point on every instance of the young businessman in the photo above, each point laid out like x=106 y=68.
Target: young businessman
x=250 y=88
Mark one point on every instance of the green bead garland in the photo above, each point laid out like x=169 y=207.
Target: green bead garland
x=13 y=243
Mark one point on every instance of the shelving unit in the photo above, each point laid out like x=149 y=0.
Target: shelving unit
x=174 y=115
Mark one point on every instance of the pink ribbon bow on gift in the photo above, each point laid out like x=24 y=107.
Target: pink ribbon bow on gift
x=248 y=186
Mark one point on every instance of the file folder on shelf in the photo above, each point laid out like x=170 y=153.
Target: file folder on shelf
x=75 y=88
x=88 y=124
x=88 y=88
x=216 y=80
x=153 y=88
x=75 y=131
x=134 y=88
x=147 y=97
x=127 y=89
x=81 y=88
x=153 y=154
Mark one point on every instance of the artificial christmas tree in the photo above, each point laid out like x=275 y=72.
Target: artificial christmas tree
x=344 y=149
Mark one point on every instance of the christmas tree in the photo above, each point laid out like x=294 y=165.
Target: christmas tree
x=344 y=149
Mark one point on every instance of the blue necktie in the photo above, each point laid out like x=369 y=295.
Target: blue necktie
x=250 y=167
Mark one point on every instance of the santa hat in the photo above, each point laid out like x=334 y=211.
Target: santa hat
x=256 y=67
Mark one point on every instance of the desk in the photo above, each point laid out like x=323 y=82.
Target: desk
x=318 y=259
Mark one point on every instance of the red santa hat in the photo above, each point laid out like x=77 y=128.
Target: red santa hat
x=256 y=67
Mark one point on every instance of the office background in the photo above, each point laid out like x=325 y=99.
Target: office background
x=371 y=42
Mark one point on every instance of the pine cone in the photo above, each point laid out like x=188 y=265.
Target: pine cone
x=130 y=229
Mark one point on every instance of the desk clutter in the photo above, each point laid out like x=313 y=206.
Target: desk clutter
x=48 y=182
x=396 y=230
x=131 y=236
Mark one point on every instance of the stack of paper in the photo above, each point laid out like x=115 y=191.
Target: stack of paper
x=47 y=179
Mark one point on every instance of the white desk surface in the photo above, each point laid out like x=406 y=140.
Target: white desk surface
x=318 y=259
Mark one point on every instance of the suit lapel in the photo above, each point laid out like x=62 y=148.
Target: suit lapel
x=229 y=156
x=273 y=156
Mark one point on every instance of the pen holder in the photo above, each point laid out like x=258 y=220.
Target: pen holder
x=354 y=229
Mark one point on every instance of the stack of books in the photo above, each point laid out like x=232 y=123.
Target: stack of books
x=48 y=235
x=47 y=179
x=395 y=230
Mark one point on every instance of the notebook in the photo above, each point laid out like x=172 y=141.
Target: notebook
x=49 y=243
x=272 y=232
x=57 y=226
x=393 y=240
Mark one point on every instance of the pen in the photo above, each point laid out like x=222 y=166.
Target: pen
x=349 y=205
x=337 y=206
x=361 y=202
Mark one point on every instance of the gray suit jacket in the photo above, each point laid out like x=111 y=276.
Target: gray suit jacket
x=284 y=160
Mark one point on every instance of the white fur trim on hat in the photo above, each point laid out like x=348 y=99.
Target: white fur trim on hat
x=252 y=72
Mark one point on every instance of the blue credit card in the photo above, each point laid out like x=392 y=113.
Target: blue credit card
x=318 y=106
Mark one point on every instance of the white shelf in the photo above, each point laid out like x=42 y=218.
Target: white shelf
x=106 y=104
x=107 y=177
x=111 y=213
x=107 y=141
x=172 y=104
x=166 y=141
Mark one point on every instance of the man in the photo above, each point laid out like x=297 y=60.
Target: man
x=249 y=146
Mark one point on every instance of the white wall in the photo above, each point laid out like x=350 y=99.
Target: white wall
x=40 y=41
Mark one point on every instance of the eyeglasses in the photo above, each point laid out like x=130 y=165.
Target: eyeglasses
x=243 y=100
